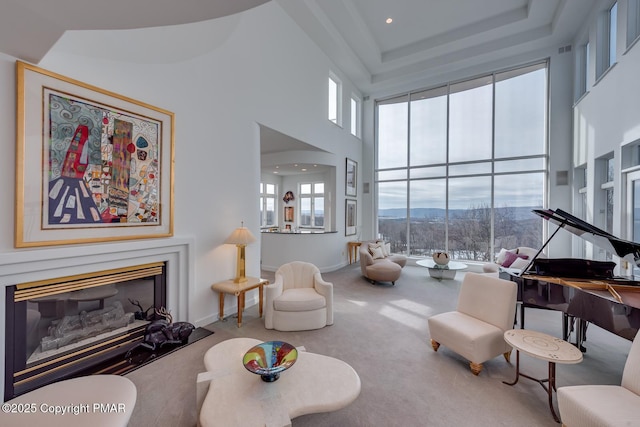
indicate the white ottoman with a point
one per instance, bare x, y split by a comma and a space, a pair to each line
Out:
95, 400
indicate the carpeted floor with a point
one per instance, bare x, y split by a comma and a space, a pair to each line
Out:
381, 331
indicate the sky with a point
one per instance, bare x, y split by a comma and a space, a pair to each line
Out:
520, 129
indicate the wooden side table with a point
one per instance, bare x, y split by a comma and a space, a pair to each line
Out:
239, 290
545, 347
353, 251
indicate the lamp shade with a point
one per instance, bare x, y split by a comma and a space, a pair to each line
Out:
240, 236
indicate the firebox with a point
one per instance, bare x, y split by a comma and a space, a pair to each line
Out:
61, 328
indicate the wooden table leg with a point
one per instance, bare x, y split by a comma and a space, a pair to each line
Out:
221, 306
260, 293
550, 387
240, 307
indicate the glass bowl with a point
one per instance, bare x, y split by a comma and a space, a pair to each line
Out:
269, 359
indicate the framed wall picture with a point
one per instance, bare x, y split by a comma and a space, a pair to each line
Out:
288, 213
91, 165
350, 217
351, 178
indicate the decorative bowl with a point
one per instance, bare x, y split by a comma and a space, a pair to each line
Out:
269, 359
441, 258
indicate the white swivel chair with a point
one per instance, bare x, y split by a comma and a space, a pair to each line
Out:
299, 299
605, 405
475, 330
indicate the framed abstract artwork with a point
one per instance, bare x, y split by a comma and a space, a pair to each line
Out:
91, 165
351, 178
288, 214
350, 217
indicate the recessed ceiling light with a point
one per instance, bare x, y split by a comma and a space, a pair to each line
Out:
389, 20
303, 170
275, 171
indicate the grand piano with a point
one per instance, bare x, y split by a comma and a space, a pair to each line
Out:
584, 291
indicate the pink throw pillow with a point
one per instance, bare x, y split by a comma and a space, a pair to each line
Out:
510, 257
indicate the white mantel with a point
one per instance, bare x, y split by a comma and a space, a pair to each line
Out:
39, 264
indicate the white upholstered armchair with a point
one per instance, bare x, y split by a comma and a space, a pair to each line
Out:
299, 299
605, 405
475, 330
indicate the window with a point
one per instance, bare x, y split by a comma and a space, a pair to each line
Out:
355, 116
393, 133
268, 205
312, 205
461, 166
613, 33
581, 206
606, 49
633, 21
335, 97
582, 71
605, 198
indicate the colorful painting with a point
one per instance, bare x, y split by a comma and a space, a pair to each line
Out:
92, 165
106, 172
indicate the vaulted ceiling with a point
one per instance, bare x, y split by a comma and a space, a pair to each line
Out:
29, 28
430, 39
427, 39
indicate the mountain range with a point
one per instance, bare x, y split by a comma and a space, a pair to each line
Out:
520, 213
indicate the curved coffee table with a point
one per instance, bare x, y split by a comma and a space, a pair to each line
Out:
237, 397
446, 272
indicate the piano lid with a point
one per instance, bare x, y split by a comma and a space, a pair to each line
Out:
623, 248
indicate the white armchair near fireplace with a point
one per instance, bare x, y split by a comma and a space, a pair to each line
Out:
115, 396
299, 299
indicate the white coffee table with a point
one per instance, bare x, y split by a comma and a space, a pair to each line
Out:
446, 272
237, 397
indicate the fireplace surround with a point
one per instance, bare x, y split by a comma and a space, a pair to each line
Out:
60, 327
42, 264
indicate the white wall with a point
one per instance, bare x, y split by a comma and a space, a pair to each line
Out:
607, 118
258, 67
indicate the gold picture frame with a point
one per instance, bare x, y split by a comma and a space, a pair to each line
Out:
91, 165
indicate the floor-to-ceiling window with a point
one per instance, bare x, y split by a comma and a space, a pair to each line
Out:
461, 166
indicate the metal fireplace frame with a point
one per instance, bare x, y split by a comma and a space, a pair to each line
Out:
20, 378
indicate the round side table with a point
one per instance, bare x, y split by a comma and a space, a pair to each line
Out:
545, 347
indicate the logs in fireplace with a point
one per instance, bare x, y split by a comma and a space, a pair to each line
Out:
64, 327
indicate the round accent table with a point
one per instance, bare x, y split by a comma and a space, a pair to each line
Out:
545, 347
447, 271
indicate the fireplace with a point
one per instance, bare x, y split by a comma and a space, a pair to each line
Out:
68, 326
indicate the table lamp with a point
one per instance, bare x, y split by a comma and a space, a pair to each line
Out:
240, 237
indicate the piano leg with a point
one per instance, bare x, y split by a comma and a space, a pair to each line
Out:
581, 334
565, 326
570, 324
